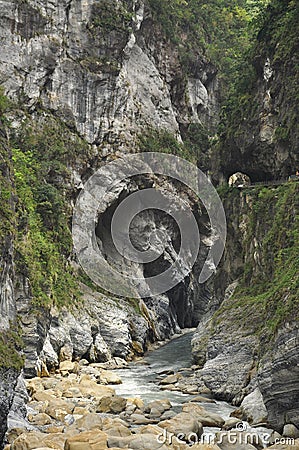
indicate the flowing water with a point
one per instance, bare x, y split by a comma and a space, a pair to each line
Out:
140, 378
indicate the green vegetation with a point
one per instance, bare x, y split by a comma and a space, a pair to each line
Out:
277, 38
109, 27
34, 205
10, 345
44, 240
220, 29
267, 296
111, 16
193, 149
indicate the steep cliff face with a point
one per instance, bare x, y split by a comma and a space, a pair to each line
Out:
85, 80
103, 72
261, 130
91, 81
252, 340
106, 69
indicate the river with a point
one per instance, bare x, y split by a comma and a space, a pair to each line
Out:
140, 378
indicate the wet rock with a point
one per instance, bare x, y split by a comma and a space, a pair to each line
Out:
171, 379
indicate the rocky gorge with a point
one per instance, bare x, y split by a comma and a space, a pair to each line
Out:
84, 84
77, 407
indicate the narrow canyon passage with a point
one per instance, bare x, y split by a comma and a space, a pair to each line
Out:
141, 378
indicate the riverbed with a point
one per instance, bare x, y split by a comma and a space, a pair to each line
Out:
139, 379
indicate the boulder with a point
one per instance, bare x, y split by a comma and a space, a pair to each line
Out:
206, 418
159, 405
137, 442
34, 385
36, 439
66, 367
253, 408
90, 388
40, 419
167, 415
99, 351
183, 423
88, 440
140, 419
171, 379
117, 429
289, 430
285, 446
278, 378
109, 377
48, 355
136, 401
230, 424
42, 396
58, 409
238, 440
72, 392
111, 404
88, 422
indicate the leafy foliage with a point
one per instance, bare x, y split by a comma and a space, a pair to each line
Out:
10, 345
220, 28
40, 164
268, 290
276, 35
155, 140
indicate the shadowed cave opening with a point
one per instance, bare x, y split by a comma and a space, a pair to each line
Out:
141, 227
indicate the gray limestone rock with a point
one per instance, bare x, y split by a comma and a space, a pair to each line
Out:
278, 377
